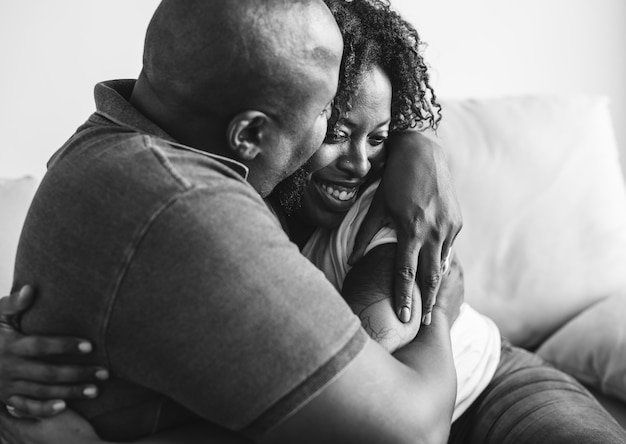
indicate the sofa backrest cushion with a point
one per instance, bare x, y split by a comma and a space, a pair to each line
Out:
544, 207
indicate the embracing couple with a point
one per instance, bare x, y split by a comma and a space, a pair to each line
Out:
227, 251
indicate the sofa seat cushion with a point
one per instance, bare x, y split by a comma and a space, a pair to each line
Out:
592, 346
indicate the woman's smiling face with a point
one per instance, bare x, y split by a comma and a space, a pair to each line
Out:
340, 166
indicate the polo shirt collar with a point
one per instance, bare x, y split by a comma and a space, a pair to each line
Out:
112, 103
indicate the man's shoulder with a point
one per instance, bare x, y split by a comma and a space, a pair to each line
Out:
101, 154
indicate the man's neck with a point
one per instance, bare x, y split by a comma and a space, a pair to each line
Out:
207, 136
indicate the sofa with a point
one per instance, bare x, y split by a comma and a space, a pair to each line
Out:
544, 239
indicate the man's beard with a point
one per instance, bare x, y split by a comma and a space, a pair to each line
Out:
289, 192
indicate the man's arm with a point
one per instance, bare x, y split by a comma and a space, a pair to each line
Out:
243, 340
182, 339
383, 398
425, 370
368, 290
70, 428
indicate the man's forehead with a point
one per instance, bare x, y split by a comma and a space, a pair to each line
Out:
318, 32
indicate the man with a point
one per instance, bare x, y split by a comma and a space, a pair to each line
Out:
145, 238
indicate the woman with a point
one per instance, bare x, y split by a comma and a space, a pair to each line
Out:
505, 394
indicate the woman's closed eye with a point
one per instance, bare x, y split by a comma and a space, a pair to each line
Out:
336, 136
377, 140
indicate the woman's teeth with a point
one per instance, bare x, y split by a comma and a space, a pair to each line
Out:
339, 195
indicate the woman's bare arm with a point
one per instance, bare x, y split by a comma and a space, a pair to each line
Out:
368, 290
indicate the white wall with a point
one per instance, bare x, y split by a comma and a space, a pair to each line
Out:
481, 48
52, 53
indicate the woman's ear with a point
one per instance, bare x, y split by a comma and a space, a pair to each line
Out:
246, 133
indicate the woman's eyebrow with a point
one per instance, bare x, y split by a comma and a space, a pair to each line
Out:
385, 123
347, 122
350, 124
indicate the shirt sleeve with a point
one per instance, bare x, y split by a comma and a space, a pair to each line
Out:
217, 310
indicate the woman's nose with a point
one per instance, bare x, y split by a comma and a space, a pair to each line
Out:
355, 161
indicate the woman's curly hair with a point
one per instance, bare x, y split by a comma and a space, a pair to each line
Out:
375, 35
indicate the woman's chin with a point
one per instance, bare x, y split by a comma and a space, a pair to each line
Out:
318, 213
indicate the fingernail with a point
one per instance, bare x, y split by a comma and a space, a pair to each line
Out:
405, 314
85, 347
90, 391
427, 319
58, 406
102, 374
23, 291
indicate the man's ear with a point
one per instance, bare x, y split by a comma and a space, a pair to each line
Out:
246, 133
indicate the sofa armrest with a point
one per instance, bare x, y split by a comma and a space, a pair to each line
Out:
15, 198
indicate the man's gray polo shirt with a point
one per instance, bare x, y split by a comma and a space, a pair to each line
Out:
171, 263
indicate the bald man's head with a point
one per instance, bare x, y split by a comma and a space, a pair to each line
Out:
225, 55
205, 62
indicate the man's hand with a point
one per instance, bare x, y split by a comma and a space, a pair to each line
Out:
416, 195
66, 428
28, 385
